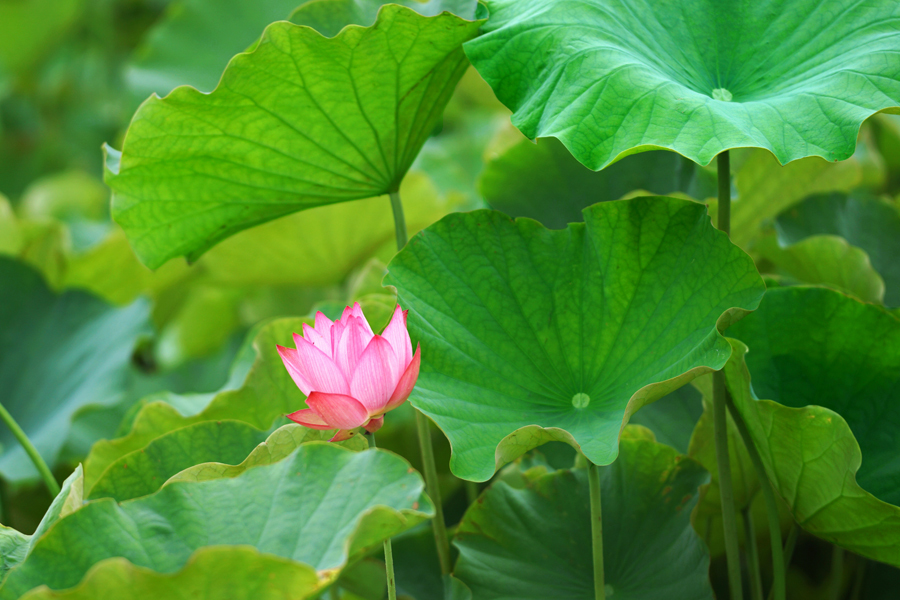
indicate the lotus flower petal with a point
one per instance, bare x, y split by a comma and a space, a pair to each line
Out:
319, 370
374, 424
313, 336
292, 363
308, 418
341, 435
398, 336
373, 381
323, 326
350, 347
407, 382
338, 410
356, 311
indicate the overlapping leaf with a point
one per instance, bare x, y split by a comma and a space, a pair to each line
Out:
321, 506
530, 334
544, 182
302, 121
510, 549
612, 77
58, 353
828, 369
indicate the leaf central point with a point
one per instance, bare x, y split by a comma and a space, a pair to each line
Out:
580, 400
722, 94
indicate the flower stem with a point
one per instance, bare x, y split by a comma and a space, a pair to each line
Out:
32, 452
388, 550
423, 428
720, 418
596, 531
779, 579
837, 572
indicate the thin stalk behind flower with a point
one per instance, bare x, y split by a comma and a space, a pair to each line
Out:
423, 427
388, 549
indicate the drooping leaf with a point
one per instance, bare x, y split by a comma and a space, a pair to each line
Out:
530, 335
544, 182
212, 573
15, 546
828, 370
143, 471
826, 260
302, 121
321, 506
58, 353
865, 221
511, 549
672, 418
697, 77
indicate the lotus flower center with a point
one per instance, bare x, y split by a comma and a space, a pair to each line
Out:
722, 94
580, 400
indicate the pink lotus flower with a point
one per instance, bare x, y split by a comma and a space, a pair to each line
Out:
351, 376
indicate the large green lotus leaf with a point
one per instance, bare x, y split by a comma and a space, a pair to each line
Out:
826, 260
828, 367
322, 506
143, 471
324, 245
510, 549
865, 221
614, 77
531, 335
544, 182
328, 17
302, 121
58, 353
212, 573
281, 443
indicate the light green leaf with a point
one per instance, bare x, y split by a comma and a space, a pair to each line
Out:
826, 260
530, 335
278, 135
58, 353
510, 549
143, 471
328, 17
211, 573
281, 443
828, 368
610, 78
765, 188
544, 182
28, 28
870, 223
322, 506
